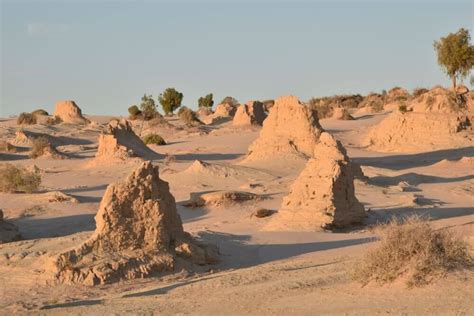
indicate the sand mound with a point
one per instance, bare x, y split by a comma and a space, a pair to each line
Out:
372, 103
69, 112
119, 142
290, 128
8, 231
340, 113
138, 233
420, 131
251, 113
323, 194
47, 152
439, 100
220, 198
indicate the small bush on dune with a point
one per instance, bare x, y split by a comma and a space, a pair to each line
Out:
7, 147
26, 119
188, 116
412, 249
18, 179
39, 112
39, 147
154, 139
134, 112
230, 100
206, 101
419, 91
54, 120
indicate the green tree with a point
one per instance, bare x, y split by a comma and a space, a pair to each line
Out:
170, 100
455, 54
206, 102
148, 107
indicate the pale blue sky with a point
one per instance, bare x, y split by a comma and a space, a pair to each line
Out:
106, 54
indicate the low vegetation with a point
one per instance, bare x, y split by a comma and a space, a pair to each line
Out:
26, 119
39, 147
411, 249
18, 179
40, 112
154, 139
134, 112
419, 91
230, 100
188, 116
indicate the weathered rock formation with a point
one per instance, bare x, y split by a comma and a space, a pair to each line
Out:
69, 112
119, 143
290, 128
224, 112
340, 113
8, 231
138, 233
251, 113
323, 194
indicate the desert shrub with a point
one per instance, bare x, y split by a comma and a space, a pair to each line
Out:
188, 116
206, 102
7, 147
402, 108
411, 249
230, 100
419, 91
18, 179
170, 100
154, 139
134, 112
148, 107
26, 119
40, 112
39, 147
429, 100
53, 120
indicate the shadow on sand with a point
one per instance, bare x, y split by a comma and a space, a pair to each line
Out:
400, 162
415, 179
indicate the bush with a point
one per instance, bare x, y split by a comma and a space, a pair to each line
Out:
154, 139
188, 116
411, 248
148, 107
39, 147
134, 112
53, 120
419, 91
402, 108
170, 100
230, 100
18, 179
206, 102
39, 112
7, 147
26, 119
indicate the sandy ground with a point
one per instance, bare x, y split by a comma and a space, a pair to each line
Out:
260, 272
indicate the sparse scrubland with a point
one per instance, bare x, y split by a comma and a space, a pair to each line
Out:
18, 179
410, 249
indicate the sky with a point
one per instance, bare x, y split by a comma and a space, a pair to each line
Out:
106, 54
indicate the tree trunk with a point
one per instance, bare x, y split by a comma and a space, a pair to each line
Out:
454, 83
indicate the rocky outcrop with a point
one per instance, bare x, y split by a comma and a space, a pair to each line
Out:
8, 231
323, 194
138, 233
251, 113
69, 112
119, 142
291, 128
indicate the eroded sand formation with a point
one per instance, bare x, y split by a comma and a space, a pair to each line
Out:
224, 112
138, 233
438, 119
291, 128
250, 113
323, 194
69, 112
119, 142
8, 231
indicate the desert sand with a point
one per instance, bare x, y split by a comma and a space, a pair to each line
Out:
124, 228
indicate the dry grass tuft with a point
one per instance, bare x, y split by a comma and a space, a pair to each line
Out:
18, 179
41, 146
26, 119
410, 248
188, 116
